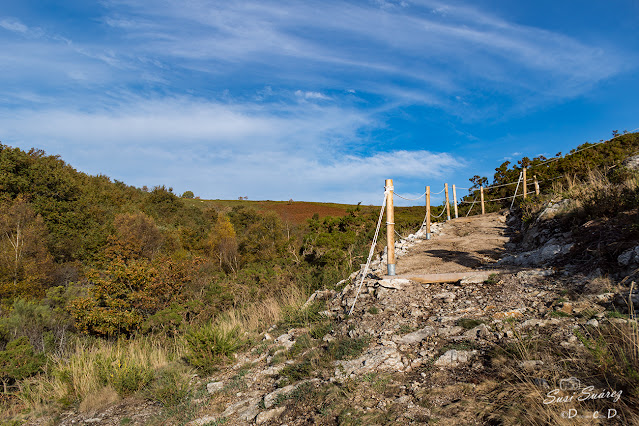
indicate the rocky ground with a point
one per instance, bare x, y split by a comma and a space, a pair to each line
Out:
469, 352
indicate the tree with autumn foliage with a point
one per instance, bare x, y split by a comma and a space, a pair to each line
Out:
223, 245
26, 267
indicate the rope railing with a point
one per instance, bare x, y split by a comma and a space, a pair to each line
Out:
370, 253
388, 202
409, 199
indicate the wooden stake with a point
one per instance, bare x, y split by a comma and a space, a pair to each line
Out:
536, 185
481, 195
447, 203
455, 201
525, 184
428, 212
390, 227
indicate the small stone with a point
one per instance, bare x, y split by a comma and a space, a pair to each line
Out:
266, 416
508, 314
533, 322
203, 421
479, 332
286, 340
566, 307
454, 357
214, 387
530, 364
593, 322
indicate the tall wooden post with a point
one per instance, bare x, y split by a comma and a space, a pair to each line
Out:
447, 202
481, 196
525, 184
390, 227
536, 185
455, 201
428, 212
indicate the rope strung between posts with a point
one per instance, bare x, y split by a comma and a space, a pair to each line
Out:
516, 189
441, 214
437, 193
370, 253
409, 199
400, 236
471, 207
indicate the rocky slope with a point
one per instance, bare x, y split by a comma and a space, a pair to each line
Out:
474, 351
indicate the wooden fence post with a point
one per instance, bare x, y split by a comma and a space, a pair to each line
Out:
428, 212
536, 185
455, 201
447, 202
525, 184
390, 227
481, 195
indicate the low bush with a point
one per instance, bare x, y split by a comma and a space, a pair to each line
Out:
210, 346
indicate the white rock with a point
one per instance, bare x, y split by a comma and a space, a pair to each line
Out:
266, 416
214, 387
417, 336
203, 421
287, 340
454, 357
394, 283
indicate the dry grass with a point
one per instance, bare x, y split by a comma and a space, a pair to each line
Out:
258, 316
608, 361
96, 374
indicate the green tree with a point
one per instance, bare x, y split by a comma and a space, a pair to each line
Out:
18, 361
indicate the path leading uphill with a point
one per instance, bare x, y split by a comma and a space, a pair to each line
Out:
460, 245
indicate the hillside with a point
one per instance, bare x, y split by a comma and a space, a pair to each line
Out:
133, 306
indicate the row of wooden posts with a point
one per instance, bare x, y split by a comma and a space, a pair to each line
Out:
390, 213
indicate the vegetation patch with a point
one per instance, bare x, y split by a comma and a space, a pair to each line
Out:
210, 346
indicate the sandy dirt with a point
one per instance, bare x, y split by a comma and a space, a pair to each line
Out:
463, 244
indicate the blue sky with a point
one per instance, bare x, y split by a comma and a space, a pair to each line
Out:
313, 100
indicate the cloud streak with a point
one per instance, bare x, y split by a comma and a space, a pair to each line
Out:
306, 98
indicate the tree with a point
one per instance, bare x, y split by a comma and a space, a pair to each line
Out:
478, 181
188, 194
135, 236
223, 243
26, 266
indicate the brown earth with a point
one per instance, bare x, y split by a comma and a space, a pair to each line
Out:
462, 245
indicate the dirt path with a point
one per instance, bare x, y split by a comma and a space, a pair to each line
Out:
463, 244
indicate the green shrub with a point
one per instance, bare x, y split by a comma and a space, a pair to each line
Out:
209, 346
301, 317
468, 323
302, 343
320, 330
125, 375
347, 348
18, 362
170, 386
298, 371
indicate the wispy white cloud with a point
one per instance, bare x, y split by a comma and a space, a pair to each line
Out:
311, 95
219, 150
216, 91
12, 24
